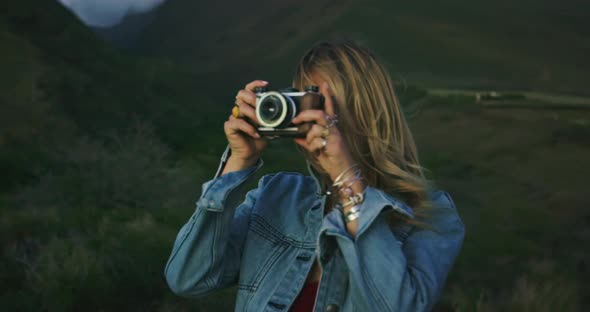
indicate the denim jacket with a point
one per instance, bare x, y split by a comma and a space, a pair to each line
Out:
266, 240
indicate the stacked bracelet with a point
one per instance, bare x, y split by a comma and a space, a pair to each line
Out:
344, 183
354, 200
352, 214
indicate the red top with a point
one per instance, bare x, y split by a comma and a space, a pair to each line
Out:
306, 298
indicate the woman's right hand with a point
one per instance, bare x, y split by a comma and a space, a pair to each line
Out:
244, 141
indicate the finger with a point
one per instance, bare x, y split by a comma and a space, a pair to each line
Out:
303, 143
247, 97
316, 131
328, 103
317, 144
236, 125
247, 110
312, 115
256, 83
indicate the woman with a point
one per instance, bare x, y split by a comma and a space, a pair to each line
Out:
363, 232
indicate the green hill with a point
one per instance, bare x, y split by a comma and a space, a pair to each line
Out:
59, 81
538, 45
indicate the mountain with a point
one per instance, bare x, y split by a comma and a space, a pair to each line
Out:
60, 81
539, 45
124, 34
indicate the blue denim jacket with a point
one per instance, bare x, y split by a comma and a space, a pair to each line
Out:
267, 243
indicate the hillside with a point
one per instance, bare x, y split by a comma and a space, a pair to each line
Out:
536, 45
59, 82
124, 34
89, 141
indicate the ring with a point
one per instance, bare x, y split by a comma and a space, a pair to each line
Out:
324, 143
235, 111
331, 120
326, 133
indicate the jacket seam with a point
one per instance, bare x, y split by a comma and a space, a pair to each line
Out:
281, 251
199, 212
257, 278
274, 235
374, 290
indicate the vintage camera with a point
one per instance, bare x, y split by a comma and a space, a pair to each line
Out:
275, 110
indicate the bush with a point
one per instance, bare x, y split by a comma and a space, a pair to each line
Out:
132, 170
541, 289
96, 230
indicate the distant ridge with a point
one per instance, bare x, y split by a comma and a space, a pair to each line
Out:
530, 45
125, 34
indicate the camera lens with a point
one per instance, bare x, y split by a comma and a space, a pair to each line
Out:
271, 109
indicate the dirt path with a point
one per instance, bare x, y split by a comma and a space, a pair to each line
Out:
565, 101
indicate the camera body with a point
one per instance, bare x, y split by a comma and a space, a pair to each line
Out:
275, 110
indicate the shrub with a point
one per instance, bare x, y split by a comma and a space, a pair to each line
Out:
95, 231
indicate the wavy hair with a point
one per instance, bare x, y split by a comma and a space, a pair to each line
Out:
371, 120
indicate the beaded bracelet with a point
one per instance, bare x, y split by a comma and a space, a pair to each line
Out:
354, 200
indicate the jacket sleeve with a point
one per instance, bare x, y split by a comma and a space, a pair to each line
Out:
206, 254
402, 270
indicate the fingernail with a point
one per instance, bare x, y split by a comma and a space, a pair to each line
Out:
326, 85
256, 135
264, 81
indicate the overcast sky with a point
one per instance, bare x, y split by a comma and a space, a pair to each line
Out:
107, 12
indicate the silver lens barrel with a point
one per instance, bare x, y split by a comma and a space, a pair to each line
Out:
273, 108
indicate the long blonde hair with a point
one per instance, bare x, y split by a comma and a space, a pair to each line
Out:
370, 120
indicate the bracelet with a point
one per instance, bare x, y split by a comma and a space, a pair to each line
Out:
347, 189
354, 200
352, 214
337, 181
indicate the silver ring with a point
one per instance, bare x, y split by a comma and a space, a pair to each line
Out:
331, 120
324, 143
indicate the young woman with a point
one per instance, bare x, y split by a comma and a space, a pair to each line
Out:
363, 232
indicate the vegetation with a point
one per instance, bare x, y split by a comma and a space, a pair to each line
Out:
537, 45
102, 152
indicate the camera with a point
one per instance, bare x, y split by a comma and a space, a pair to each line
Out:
275, 110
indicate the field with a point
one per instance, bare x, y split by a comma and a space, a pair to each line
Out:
516, 175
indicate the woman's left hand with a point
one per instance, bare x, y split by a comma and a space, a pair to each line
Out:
324, 140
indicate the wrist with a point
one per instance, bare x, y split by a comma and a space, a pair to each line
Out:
235, 163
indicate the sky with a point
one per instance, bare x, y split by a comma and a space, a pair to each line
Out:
104, 13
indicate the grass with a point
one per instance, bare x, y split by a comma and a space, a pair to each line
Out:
107, 251
517, 179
